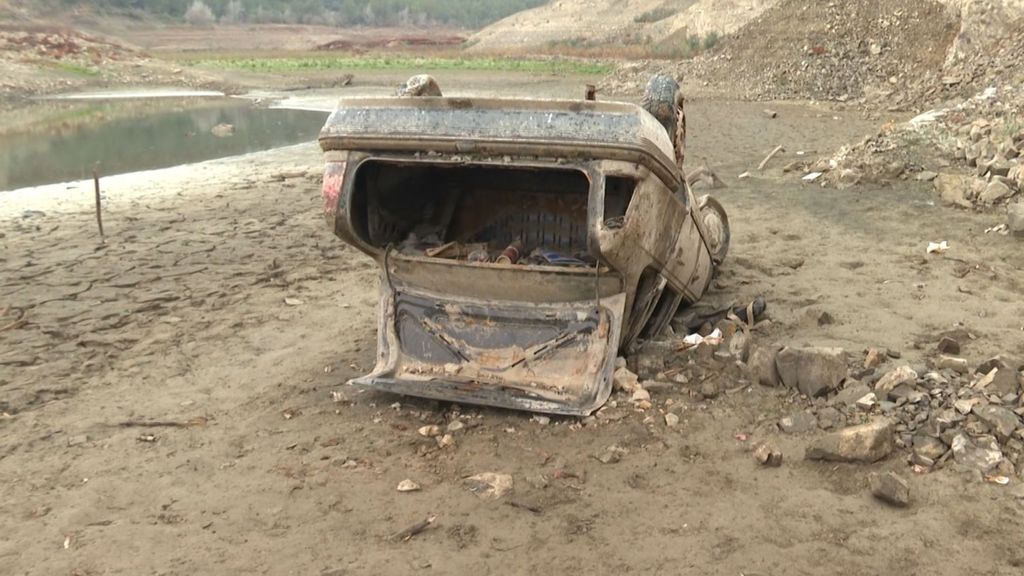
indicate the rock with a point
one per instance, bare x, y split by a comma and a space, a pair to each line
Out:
640, 395
455, 426
798, 423
890, 487
953, 189
766, 455
929, 447
1005, 381
965, 405
874, 358
999, 166
624, 380
739, 346
223, 130
407, 485
869, 442
956, 364
994, 192
850, 394
1015, 218
829, 418
762, 367
671, 420
926, 176
1001, 420
445, 441
896, 377
812, 371
981, 454
709, 388
867, 402
429, 431
77, 440
948, 346
489, 485
612, 455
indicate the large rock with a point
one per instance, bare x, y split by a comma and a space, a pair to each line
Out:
812, 371
1001, 420
869, 442
929, 447
761, 364
890, 487
896, 377
994, 192
981, 454
953, 189
798, 423
1015, 218
850, 394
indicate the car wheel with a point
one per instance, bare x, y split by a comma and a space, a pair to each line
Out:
716, 228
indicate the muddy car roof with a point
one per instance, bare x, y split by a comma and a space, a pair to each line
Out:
496, 126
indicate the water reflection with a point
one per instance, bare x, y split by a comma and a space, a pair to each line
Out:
74, 141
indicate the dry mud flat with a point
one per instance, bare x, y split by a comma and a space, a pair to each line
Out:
222, 310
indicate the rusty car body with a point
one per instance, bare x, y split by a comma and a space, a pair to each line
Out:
521, 243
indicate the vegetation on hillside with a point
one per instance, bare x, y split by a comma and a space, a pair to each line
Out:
469, 13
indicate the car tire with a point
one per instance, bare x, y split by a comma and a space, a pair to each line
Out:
715, 223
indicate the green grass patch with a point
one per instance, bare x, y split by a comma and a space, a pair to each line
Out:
75, 69
344, 63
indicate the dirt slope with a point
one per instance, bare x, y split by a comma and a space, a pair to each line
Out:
616, 23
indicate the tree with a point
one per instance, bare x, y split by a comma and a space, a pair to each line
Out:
234, 12
199, 14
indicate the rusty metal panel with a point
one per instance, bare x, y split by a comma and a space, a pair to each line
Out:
553, 357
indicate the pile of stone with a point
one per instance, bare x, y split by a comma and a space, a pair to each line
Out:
942, 412
973, 153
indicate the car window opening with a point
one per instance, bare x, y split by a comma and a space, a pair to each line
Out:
474, 213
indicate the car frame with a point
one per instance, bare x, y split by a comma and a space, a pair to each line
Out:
597, 178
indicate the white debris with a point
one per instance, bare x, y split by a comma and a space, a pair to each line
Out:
937, 247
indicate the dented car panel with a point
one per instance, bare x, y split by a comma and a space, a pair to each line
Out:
521, 243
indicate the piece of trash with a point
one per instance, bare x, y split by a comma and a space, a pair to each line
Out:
408, 485
67, 542
489, 485
937, 247
293, 302
713, 339
408, 533
742, 437
1000, 229
555, 258
510, 255
811, 177
146, 438
744, 176
1001, 480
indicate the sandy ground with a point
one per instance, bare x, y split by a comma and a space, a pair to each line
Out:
274, 466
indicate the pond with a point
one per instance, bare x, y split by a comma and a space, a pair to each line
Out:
69, 139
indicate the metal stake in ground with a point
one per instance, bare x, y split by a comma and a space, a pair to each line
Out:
99, 212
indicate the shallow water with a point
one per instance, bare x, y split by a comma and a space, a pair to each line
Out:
120, 137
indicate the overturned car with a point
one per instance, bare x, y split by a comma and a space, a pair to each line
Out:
522, 243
